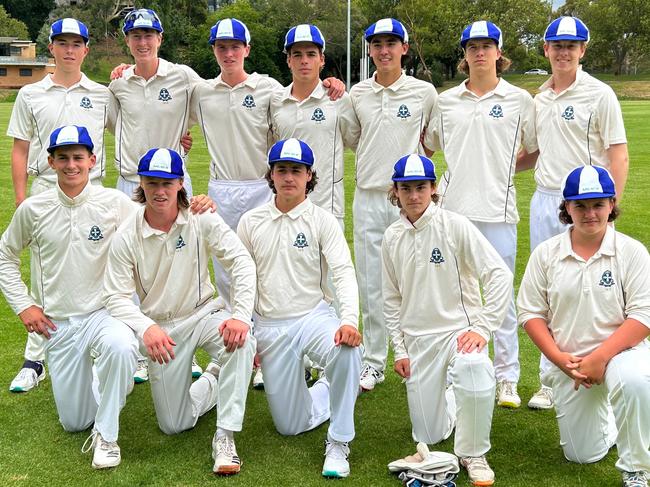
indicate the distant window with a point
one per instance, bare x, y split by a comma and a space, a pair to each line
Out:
25, 72
3, 71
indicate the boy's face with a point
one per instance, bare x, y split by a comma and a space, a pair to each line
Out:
161, 194
68, 51
290, 179
143, 44
305, 60
386, 51
564, 56
230, 55
72, 164
481, 55
414, 197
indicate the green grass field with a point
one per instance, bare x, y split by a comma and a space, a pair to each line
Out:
34, 450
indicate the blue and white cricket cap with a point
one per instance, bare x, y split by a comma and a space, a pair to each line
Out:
142, 18
387, 26
304, 33
161, 163
414, 167
567, 29
69, 26
588, 182
291, 150
482, 29
229, 30
70, 135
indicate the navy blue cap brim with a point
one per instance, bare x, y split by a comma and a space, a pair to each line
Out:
52, 148
213, 42
464, 43
589, 196
565, 37
159, 174
414, 178
54, 36
289, 159
392, 34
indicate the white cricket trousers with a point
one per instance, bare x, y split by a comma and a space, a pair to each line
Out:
295, 408
586, 435
233, 199
178, 402
75, 346
503, 237
372, 214
544, 224
433, 412
35, 346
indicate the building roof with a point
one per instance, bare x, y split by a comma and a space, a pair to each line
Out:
18, 61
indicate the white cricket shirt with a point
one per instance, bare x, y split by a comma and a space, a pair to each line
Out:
69, 241
236, 125
42, 107
293, 252
392, 120
574, 127
582, 302
169, 270
151, 113
481, 136
328, 127
430, 278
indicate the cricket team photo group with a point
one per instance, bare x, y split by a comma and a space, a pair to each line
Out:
386, 277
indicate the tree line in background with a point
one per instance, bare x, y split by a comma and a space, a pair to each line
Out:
620, 30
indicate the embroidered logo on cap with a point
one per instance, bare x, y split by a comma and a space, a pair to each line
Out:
568, 113
318, 115
249, 101
86, 103
606, 280
496, 112
164, 95
436, 256
403, 112
301, 241
95, 234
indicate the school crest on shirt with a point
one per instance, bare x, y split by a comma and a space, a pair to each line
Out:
164, 95
180, 243
249, 102
436, 256
86, 103
568, 113
606, 279
318, 115
403, 112
95, 234
496, 112
301, 241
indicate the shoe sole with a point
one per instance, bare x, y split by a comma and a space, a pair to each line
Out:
483, 483
101, 467
331, 474
140, 380
227, 470
541, 408
196, 375
259, 387
509, 405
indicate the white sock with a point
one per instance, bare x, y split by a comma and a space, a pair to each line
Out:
224, 432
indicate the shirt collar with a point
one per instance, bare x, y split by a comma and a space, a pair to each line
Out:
294, 213
318, 93
77, 200
607, 246
163, 69
423, 221
394, 87
548, 84
250, 81
501, 89
148, 231
83, 82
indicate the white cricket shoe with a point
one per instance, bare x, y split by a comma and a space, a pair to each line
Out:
224, 453
478, 470
26, 380
336, 459
258, 379
106, 454
196, 368
635, 479
141, 372
542, 399
507, 396
370, 377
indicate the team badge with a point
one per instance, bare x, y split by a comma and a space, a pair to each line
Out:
436, 256
403, 112
606, 280
301, 241
164, 95
318, 115
180, 243
568, 113
496, 112
95, 234
86, 103
249, 102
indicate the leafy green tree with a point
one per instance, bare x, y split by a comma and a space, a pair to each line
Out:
32, 12
10, 27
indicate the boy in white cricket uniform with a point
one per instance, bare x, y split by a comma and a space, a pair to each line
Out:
432, 263
68, 229
303, 110
292, 242
578, 121
480, 127
585, 302
162, 253
393, 109
66, 96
